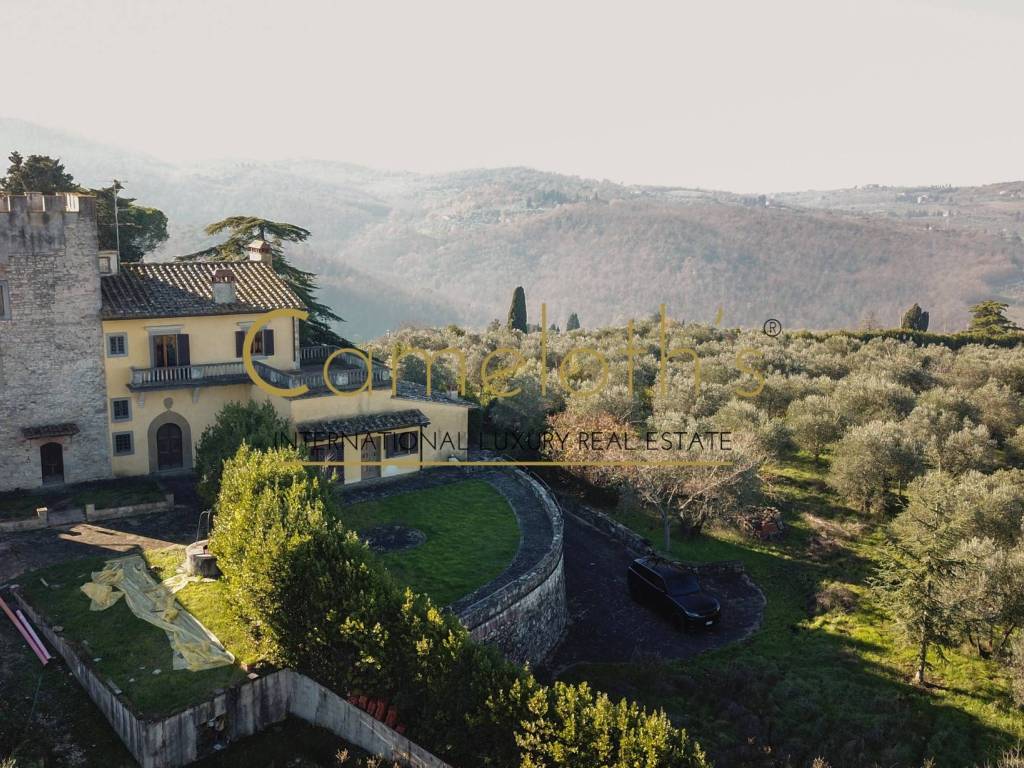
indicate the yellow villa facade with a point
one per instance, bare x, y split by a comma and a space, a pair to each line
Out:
172, 352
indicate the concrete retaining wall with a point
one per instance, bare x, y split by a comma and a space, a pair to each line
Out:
92, 514
233, 714
315, 704
526, 618
88, 514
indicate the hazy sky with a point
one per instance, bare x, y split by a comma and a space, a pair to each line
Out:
747, 96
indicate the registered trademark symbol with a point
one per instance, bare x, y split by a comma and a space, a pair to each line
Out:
772, 327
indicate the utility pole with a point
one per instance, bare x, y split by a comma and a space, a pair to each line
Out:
117, 229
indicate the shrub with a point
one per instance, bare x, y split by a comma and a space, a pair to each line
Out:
267, 503
256, 424
572, 726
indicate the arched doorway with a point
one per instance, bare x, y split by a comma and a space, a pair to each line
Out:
51, 460
169, 453
169, 440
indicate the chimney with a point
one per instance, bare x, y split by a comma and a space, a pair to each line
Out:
109, 263
259, 250
224, 287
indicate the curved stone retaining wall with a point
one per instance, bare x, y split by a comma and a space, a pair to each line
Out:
526, 617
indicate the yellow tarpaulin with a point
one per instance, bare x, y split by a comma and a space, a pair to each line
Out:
193, 646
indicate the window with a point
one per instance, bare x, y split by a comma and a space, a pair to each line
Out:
262, 343
5, 301
104, 265
117, 344
170, 350
121, 409
123, 444
401, 443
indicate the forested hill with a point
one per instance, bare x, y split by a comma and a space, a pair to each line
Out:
394, 247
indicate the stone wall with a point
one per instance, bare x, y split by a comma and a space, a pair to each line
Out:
526, 618
641, 547
51, 345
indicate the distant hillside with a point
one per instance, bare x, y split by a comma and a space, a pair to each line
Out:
395, 248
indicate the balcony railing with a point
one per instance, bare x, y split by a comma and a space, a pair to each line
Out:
187, 375
310, 356
343, 376
315, 354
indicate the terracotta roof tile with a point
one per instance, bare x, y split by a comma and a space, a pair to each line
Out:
365, 423
49, 430
181, 289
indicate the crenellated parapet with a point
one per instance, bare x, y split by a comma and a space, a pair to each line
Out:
40, 225
62, 202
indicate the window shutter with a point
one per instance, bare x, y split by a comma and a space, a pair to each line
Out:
268, 342
183, 355
239, 340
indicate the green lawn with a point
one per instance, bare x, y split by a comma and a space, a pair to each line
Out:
835, 684
103, 493
127, 649
472, 536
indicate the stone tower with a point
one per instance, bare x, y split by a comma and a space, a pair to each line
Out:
53, 405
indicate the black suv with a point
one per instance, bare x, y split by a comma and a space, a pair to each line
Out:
674, 591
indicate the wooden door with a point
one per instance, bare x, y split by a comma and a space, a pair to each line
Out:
370, 452
169, 451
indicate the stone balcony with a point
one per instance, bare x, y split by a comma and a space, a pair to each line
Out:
347, 372
343, 377
173, 377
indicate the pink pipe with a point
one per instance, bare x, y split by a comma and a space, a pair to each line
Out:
24, 634
32, 632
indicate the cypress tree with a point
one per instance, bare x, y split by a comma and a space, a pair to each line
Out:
517, 311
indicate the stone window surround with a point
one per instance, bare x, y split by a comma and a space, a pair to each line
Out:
5, 300
113, 412
131, 440
122, 335
245, 325
160, 330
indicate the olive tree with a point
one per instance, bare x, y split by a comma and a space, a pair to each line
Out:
873, 459
864, 397
814, 423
